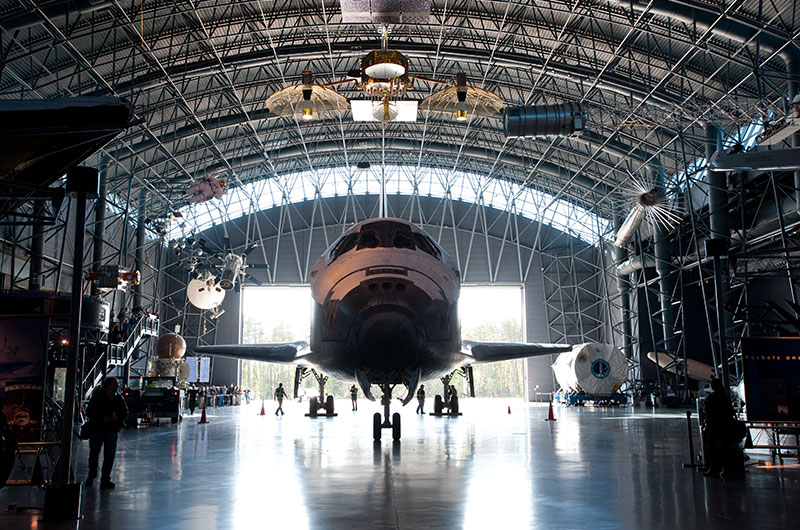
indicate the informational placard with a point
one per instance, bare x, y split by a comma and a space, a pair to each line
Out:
205, 370
23, 350
192, 362
772, 378
23, 358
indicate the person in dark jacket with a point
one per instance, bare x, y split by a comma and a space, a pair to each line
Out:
192, 400
354, 397
106, 413
717, 419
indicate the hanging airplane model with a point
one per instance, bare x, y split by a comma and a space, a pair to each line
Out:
385, 313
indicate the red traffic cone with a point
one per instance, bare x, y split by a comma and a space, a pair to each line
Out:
203, 417
262, 408
509, 409
550, 416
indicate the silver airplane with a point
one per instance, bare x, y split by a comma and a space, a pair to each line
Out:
385, 313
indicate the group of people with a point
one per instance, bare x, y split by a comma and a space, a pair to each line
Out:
198, 397
123, 324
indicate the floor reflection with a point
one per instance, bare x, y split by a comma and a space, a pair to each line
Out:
601, 468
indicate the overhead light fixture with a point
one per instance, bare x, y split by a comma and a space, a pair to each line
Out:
460, 100
307, 101
461, 111
461, 97
306, 108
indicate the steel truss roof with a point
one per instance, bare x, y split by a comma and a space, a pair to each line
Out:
198, 73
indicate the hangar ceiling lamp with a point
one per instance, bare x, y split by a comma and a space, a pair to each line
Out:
307, 101
460, 100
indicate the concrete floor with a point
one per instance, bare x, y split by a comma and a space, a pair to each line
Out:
604, 468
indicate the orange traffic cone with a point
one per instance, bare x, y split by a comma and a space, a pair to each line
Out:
262, 408
203, 417
550, 416
509, 409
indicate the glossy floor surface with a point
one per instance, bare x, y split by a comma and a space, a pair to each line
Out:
592, 468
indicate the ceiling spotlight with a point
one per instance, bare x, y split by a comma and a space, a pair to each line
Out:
461, 111
306, 109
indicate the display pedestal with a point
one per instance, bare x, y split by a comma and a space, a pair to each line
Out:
62, 502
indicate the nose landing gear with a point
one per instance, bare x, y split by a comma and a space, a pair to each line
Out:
394, 424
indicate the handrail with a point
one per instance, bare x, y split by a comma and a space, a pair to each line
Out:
146, 326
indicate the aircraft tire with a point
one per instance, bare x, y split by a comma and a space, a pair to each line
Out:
396, 426
174, 420
313, 406
376, 426
454, 405
437, 404
329, 404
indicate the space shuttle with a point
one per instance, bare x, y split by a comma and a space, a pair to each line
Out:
385, 314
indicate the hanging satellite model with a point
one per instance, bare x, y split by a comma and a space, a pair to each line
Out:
646, 202
231, 270
204, 292
383, 76
206, 189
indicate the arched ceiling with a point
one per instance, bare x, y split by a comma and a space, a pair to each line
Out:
198, 72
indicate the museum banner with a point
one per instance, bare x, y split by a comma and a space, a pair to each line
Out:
772, 378
23, 360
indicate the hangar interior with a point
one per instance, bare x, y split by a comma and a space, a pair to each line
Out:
629, 165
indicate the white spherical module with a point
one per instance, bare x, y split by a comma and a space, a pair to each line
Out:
204, 294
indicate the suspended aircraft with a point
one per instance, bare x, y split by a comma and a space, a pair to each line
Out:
385, 313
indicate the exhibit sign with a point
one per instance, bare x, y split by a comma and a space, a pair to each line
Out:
772, 378
205, 369
192, 362
23, 360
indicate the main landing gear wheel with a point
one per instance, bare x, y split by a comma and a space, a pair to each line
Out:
376, 426
329, 405
313, 406
437, 404
395, 426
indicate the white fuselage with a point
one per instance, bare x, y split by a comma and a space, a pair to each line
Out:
385, 306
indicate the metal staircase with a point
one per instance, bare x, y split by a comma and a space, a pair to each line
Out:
117, 354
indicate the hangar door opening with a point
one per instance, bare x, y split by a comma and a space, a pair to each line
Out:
493, 314
282, 314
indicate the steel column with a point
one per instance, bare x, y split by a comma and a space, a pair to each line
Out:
78, 180
717, 213
141, 240
623, 286
666, 284
99, 223
37, 247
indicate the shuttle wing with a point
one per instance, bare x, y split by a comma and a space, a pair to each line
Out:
275, 352
487, 352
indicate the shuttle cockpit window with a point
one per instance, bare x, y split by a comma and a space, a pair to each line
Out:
386, 234
403, 239
426, 245
368, 239
347, 244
